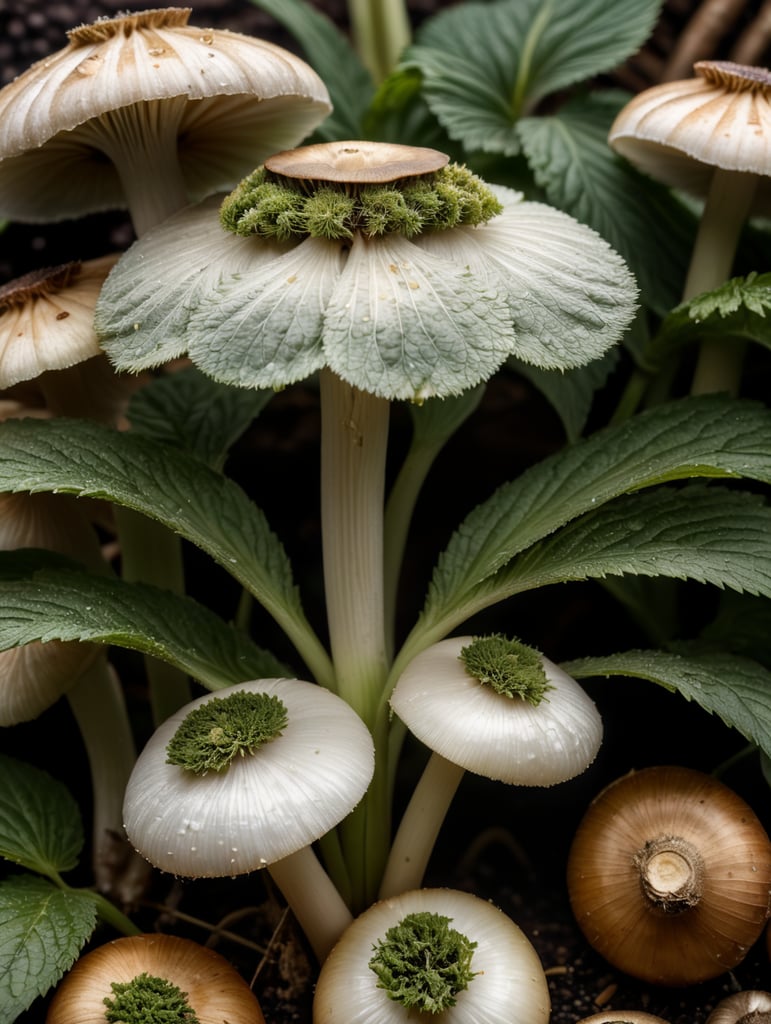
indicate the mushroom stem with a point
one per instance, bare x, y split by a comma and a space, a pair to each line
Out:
141, 141
381, 29
319, 908
719, 364
97, 703
420, 825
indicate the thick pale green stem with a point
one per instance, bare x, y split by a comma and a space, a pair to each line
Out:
354, 440
99, 708
420, 825
719, 363
319, 908
381, 30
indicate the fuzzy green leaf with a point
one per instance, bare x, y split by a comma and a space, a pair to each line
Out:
713, 535
190, 411
708, 436
42, 931
206, 508
736, 689
572, 161
331, 55
40, 825
740, 309
66, 604
487, 64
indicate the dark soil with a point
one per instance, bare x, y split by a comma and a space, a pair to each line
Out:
503, 844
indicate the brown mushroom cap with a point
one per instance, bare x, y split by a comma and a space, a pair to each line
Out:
230, 99
358, 162
679, 132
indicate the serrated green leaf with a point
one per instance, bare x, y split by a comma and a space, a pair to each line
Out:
40, 824
712, 535
572, 161
65, 604
740, 309
190, 411
736, 689
331, 55
708, 436
570, 394
203, 506
42, 931
399, 113
486, 64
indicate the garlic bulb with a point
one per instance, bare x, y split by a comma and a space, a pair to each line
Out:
669, 875
743, 1008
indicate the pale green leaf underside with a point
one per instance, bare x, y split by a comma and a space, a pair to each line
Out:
40, 825
572, 161
143, 313
403, 324
570, 295
330, 53
708, 436
263, 329
42, 931
736, 689
70, 605
203, 506
486, 64
190, 411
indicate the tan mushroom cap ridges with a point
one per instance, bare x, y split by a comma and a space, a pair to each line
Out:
356, 162
679, 132
232, 100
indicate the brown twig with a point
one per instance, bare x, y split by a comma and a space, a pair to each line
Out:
701, 36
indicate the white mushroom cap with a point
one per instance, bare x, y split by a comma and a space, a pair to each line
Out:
223, 100
35, 675
46, 319
500, 737
679, 132
265, 806
510, 986
750, 1005
622, 1017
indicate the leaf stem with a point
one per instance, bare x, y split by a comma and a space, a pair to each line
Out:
381, 30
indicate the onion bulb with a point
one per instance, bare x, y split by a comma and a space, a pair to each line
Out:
669, 876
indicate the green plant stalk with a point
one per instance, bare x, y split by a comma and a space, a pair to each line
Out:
719, 364
415, 838
99, 708
354, 442
110, 914
151, 553
381, 30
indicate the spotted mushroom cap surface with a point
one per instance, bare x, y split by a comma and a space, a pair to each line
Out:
679, 132
230, 99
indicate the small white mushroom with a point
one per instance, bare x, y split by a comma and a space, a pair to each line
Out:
461, 961
262, 806
540, 731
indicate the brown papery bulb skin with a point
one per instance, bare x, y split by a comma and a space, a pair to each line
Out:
669, 876
214, 989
